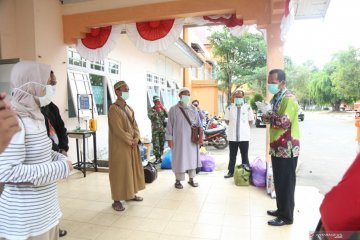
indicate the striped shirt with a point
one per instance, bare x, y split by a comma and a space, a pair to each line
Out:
29, 168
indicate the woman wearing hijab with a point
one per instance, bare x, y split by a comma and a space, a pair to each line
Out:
29, 169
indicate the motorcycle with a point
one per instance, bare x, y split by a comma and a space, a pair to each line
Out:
216, 137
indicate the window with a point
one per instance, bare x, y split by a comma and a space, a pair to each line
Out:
149, 78
75, 59
97, 78
98, 65
79, 83
193, 73
201, 73
113, 67
101, 94
156, 79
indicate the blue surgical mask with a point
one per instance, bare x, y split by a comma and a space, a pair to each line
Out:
125, 95
185, 99
273, 88
239, 101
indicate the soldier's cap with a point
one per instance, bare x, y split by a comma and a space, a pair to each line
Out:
184, 89
119, 84
156, 98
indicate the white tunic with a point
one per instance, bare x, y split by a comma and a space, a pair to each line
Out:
30, 209
238, 127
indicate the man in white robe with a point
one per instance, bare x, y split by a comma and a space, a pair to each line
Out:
185, 153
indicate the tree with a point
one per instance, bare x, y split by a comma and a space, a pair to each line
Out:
346, 75
237, 58
256, 98
297, 80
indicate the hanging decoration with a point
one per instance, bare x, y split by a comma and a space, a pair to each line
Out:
234, 24
98, 43
154, 36
288, 18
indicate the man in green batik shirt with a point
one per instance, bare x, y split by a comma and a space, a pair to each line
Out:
282, 115
157, 114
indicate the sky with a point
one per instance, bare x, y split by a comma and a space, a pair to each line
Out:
318, 39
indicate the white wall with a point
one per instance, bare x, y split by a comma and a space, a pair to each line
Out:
41, 26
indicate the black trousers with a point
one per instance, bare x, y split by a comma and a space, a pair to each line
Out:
285, 181
244, 149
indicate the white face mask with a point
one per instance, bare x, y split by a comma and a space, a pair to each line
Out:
46, 100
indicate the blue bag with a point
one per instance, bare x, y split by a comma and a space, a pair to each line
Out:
166, 162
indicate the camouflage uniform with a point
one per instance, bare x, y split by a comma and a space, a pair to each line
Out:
158, 130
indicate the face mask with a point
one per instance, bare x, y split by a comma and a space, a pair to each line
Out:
185, 99
239, 101
125, 95
273, 88
46, 100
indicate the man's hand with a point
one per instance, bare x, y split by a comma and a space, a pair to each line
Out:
263, 107
8, 123
171, 143
135, 142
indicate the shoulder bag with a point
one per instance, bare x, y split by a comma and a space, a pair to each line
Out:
196, 131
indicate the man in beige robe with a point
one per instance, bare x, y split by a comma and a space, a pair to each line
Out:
126, 173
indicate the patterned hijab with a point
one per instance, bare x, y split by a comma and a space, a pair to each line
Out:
28, 79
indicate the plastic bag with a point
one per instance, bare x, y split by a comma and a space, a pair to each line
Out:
207, 162
167, 160
258, 169
242, 175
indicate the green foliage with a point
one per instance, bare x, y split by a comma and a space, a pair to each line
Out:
346, 76
297, 80
237, 58
256, 98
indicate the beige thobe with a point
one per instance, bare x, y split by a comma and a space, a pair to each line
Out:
126, 172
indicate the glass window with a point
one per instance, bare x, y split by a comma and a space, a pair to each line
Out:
75, 59
97, 85
79, 83
98, 65
149, 78
113, 67
156, 79
201, 73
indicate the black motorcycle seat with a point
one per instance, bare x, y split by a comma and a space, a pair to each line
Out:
214, 130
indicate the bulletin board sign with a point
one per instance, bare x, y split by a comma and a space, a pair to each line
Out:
84, 102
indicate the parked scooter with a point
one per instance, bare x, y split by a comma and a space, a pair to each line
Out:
216, 137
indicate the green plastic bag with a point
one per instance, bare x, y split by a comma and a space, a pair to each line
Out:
242, 175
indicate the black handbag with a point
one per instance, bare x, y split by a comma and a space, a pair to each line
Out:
150, 173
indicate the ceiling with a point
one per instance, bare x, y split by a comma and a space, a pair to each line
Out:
311, 9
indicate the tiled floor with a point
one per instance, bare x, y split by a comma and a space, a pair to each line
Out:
217, 209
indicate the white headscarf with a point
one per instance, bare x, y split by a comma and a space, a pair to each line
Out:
184, 89
24, 76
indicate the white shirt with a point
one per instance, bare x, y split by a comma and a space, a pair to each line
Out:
238, 127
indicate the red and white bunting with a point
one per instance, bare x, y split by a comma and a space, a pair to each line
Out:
154, 36
288, 18
98, 43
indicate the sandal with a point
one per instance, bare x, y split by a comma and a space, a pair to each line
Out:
62, 233
137, 199
178, 185
193, 184
117, 206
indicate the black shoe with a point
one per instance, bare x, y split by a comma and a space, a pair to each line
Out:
157, 161
273, 213
278, 222
62, 233
229, 175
